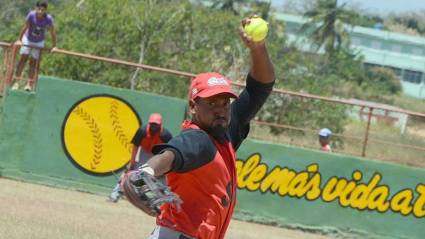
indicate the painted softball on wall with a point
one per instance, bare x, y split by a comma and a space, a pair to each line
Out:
97, 133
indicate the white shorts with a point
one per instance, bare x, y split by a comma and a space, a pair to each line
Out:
35, 53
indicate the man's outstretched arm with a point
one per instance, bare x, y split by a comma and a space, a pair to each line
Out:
161, 163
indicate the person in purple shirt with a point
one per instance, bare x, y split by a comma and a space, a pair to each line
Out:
32, 34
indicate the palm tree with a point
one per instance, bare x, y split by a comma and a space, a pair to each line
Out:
262, 8
228, 5
326, 25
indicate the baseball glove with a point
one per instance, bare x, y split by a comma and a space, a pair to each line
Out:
146, 192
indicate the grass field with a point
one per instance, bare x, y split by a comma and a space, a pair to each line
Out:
40, 212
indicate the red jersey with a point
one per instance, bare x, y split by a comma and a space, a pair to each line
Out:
144, 138
203, 172
206, 212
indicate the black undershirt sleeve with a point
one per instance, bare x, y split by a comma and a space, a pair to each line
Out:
245, 107
166, 135
192, 149
138, 136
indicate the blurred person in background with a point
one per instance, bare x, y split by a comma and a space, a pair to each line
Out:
324, 139
144, 139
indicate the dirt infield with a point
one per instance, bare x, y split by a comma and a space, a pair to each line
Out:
37, 211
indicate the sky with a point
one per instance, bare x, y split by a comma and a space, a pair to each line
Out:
379, 6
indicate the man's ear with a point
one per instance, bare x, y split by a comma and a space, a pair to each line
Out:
192, 106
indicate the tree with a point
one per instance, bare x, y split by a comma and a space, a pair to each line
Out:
412, 23
94, 27
173, 36
381, 82
227, 5
296, 7
154, 19
326, 25
151, 32
262, 8
12, 18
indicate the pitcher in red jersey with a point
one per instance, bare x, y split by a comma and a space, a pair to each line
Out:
199, 163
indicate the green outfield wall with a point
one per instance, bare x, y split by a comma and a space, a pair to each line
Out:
334, 193
77, 135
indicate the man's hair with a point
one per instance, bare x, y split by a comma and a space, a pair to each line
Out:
41, 4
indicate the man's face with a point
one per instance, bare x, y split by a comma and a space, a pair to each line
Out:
40, 11
212, 113
154, 128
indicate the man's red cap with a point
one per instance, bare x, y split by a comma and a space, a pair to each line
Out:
209, 84
155, 118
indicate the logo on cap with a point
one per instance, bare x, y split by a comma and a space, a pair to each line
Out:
213, 81
194, 91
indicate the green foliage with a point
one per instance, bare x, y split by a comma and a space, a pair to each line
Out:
138, 33
406, 102
326, 25
12, 18
227, 5
383, 81
175, 36
366, 20
379, 84
412, 20
302, 113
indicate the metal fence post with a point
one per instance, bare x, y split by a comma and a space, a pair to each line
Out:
4, 69
11, 66
366, 136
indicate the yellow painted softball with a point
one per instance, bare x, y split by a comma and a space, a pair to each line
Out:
257, 29
97, 133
